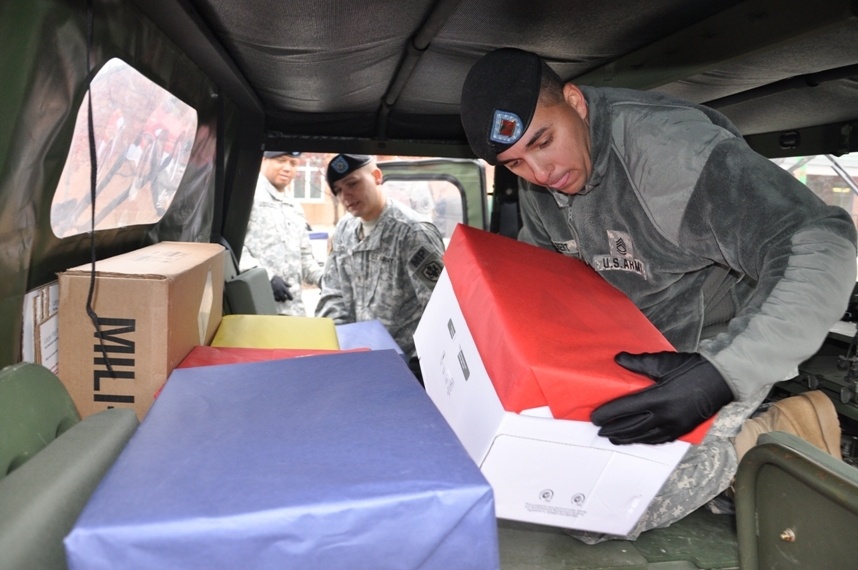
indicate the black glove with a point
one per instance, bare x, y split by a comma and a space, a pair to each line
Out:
688, 391
281, 289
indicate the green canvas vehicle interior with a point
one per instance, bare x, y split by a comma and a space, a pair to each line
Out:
50, 463
383, 77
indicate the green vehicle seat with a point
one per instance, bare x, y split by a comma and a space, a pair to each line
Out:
50, 463
796, 507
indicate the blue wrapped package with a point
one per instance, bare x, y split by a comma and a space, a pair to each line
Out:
333, 462
366, 334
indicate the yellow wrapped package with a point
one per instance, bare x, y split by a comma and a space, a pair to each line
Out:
276, 331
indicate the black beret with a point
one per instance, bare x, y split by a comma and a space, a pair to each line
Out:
276, 153
499, 97
343, 164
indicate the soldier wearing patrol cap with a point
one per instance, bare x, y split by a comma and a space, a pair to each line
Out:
277, 236
385, 258
737, 263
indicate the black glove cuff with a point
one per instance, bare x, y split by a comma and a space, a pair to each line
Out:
711, 391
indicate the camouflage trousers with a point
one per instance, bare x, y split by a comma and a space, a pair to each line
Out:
705, 471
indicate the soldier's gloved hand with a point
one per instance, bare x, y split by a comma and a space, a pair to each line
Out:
688, 391
281, 289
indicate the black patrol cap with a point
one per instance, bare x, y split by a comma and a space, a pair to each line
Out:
276, 153
499, 97
344, 164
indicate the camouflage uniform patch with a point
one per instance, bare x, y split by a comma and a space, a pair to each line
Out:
432, 271
426, 266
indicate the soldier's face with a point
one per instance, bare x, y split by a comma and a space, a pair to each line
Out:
280, 170
554, 151
360, 192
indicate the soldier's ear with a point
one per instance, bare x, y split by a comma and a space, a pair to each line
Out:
575, 99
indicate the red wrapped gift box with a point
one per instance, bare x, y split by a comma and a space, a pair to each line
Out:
547, 326
204, 355
214, 355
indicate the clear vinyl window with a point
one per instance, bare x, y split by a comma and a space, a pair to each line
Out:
309, 182
143, 140
832, 178
438, 199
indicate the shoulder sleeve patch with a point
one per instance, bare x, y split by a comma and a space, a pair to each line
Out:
432, 271
426, 266
418, 258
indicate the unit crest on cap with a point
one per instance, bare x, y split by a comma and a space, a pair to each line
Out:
340, 165
506, 127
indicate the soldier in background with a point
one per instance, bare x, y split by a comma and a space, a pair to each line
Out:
385, 257
277, 234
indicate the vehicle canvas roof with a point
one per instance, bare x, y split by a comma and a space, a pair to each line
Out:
383, 75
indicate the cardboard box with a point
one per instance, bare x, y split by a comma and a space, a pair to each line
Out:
542, 470
516, 351
333, 462
39, 341
153, 306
